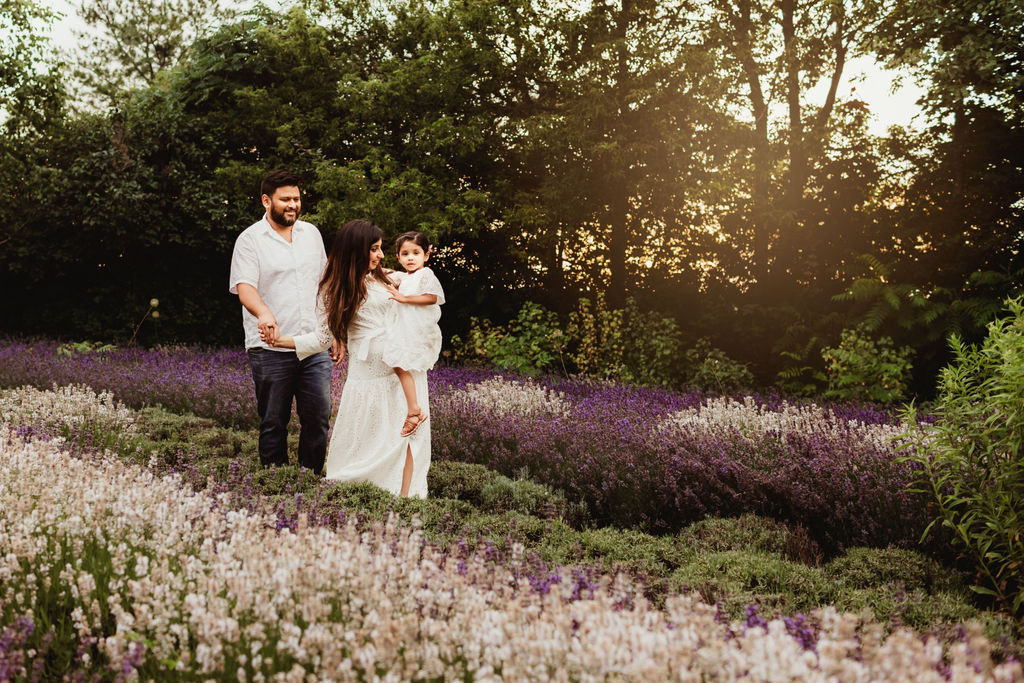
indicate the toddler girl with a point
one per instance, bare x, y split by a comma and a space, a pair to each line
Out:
413, 340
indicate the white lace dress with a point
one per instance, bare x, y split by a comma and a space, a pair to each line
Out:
365, 442
413, 340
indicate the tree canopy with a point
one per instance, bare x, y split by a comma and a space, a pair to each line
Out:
694, 157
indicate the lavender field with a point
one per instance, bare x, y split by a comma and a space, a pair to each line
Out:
637, 457
575, 531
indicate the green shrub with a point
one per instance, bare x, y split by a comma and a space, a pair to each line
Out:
802, 373
711, 369
752, 533
971, 461
920, 610
73, 348
531, 343
879, 567
652, 351
598, 336
461, 480
864, 369
737, 578
492, 492
167, 436
623, 344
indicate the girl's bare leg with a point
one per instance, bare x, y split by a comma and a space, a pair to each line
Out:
409, 389
407, 472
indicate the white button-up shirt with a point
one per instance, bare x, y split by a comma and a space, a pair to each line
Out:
286, 275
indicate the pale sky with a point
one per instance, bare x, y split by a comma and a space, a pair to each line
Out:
865, 79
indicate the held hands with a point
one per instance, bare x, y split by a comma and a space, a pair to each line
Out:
271, 335
267, 325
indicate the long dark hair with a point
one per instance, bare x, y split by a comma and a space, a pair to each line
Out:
343, 285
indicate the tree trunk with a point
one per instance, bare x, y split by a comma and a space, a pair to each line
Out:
797, 152
761, 182
618, 171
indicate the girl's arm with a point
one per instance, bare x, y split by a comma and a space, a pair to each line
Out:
415, 299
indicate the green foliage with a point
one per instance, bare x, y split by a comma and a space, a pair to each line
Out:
967, 51
531, 343
73, 348
971, 459
127, 45
879, 567
488, 490
864, 369
737, 578
799, 378
711, 369
625, 344
753, 533
31, 94
933, 312
600, 337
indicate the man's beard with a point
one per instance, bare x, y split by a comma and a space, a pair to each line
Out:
281, 219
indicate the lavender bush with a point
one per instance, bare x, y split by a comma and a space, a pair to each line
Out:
657, 460
633, 456
737, 563
214, 384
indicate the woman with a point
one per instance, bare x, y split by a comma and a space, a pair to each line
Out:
352, 305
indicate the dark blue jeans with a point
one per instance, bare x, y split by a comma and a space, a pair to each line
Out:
279, 377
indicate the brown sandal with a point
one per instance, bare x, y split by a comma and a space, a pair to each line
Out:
412, 423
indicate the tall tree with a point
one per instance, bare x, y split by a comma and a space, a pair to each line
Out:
620, 148
127, 44
30, 87
31, 105
780, 54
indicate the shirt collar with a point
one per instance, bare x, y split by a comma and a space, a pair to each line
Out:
269, 229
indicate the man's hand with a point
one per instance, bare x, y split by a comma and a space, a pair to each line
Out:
267, 325
337, 353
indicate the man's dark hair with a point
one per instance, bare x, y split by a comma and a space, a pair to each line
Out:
276, 179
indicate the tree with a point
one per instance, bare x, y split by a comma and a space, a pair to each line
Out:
31, 103
616, 156
128, 44
965, 52
31, 94
776, 54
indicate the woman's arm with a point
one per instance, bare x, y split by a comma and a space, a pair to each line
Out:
281, 342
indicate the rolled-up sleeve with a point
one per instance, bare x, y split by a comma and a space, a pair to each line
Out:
245, 264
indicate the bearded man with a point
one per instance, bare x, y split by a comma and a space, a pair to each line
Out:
275, 271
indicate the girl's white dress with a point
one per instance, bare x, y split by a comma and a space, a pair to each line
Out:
414, 340
365, 442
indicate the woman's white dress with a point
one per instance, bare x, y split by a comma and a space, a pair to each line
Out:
365, 442
413, 341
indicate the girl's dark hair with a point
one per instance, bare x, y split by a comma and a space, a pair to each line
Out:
343, 286
417, 238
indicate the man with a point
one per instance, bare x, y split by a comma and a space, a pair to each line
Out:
275, 271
